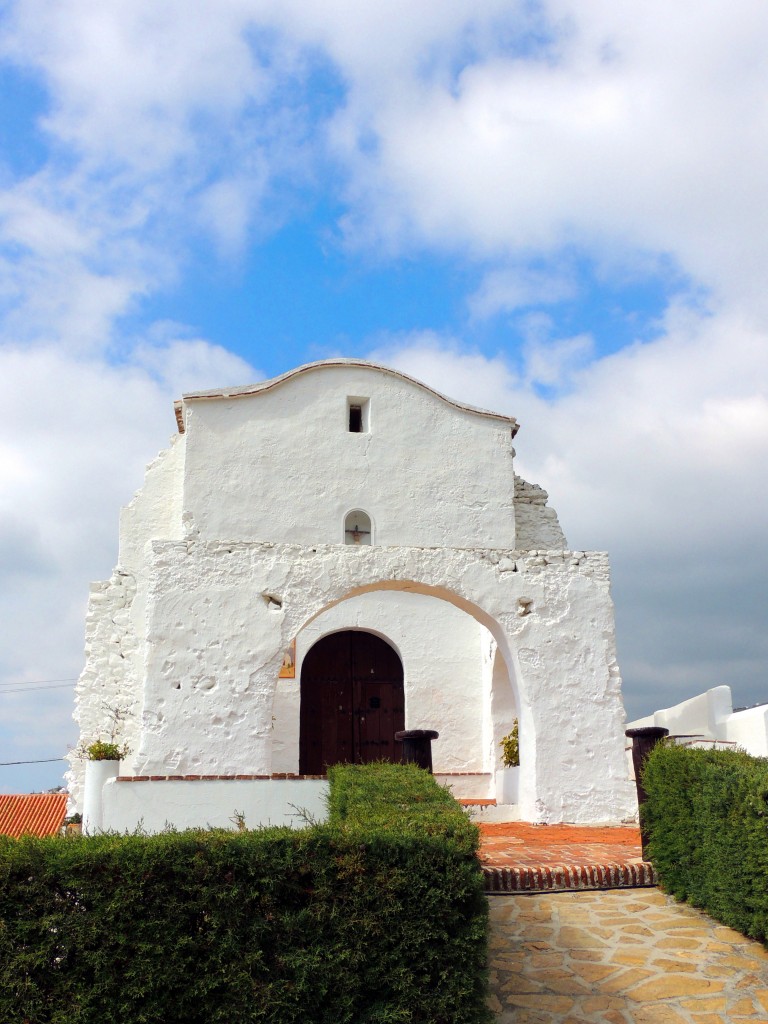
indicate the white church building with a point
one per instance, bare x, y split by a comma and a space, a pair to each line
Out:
321, 560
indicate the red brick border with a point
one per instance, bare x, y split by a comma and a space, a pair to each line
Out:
211, 778
563, 878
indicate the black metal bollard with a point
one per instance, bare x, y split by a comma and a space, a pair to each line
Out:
417, 746
643, 742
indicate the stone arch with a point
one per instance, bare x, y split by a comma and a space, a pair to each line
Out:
502, 663
444, 594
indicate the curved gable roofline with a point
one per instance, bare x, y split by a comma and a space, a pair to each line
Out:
268, 385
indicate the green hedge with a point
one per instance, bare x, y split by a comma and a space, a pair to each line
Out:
376, 917
707, 817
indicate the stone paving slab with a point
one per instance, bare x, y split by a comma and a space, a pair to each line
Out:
626, 956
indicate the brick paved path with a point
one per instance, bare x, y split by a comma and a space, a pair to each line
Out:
626, 956
518, 857
516, 844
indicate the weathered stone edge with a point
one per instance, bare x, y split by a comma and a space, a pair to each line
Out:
569, 877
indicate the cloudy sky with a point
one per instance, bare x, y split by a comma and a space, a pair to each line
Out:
555, 209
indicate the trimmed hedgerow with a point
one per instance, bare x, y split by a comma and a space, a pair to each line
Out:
376, 917
707, 817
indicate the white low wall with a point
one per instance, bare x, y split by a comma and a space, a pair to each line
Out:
710, 717
749, 729
466, 786
153, 805
702, 715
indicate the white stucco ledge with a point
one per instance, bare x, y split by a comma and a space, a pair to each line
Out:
152, 805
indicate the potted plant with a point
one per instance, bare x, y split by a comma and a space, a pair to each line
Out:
101, 750
508, 776
102, 764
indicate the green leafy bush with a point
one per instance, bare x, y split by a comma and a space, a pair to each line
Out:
510, 748
102, 750
376, 917
707, 817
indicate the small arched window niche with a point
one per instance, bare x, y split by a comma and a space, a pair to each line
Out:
357, 528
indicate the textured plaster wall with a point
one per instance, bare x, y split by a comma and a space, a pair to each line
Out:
156, 509
220, 615
282, 464
108, 692
439, 646
537, 525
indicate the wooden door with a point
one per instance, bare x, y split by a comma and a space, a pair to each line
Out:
352, 702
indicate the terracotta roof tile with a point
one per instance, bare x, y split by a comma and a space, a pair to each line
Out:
36, 814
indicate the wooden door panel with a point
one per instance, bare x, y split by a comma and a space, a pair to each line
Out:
352, 702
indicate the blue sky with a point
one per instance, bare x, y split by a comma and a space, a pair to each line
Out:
554, 209
299, 295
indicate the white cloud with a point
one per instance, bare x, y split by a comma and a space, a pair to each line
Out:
71, 263
129, 80
638, 130
497, 131
445, 365
180, 363
77, 434
508, 289
550, 362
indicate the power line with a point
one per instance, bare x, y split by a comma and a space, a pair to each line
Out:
45, 760
34, 689
36, 682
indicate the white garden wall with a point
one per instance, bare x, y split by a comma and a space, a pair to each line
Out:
154, 804
710, 717
749, 729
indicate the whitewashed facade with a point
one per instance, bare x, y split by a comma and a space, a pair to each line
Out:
344, 496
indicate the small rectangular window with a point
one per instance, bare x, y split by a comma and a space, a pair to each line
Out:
355, 419
357, 415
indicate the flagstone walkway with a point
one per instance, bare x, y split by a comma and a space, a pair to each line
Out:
623, 956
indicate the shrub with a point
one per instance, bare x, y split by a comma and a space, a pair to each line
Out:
101, 750
376, 917
707, 818
510, 748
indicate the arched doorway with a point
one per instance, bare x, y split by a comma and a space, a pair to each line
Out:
352, 702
